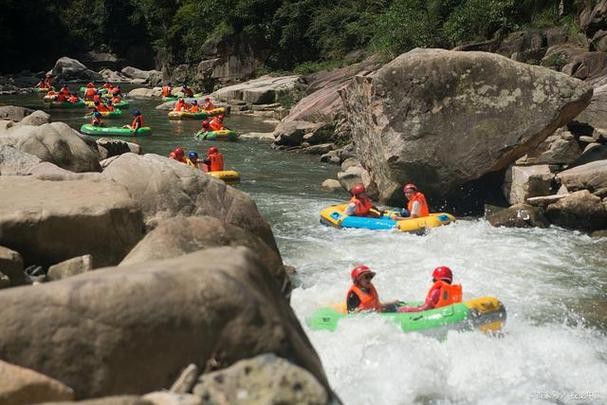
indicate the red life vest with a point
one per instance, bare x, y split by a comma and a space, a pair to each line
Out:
363, 206
368, 300
449, 293
179, 105
208, 106
97, 97
73, 99
421, 199
216, 124
166, 91
216, 162
195, 108
137, 119
90, 92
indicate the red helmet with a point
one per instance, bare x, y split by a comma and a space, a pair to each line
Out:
212, 150
179, 152
442, 273
220, 116
357, 189
358, 271
409, 187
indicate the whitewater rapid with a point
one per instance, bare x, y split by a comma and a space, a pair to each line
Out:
553, 349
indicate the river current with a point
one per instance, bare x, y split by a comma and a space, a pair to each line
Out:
553, 283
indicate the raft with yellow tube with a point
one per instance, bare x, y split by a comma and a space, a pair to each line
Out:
200, 115
486, 314
228, 176
335, 216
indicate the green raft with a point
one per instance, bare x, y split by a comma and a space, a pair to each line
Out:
117, 113
113, 131
486, 314
100, 90
223, 135
67, 104
171, 98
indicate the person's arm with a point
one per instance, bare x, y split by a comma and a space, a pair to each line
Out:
416, 209
350, 209
352, 302
430, 303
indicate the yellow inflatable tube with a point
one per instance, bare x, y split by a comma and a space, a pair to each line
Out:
229, 176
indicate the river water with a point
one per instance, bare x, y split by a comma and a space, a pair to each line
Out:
553, 283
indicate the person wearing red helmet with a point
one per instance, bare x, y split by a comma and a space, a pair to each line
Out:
360, 204
216, 123
208, 105
214, 160
416, 205
178, 154
362, 295
442, 292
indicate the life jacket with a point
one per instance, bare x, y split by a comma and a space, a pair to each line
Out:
109, 107
116, 100
166, 91
137, 119
363, 206
419, 197
208, 106
90, 92
449, 293
216, 162
65, 91
216, 124
179, 106
195, 108
73, 99
205, 125
97, 97
115, 91
101, 107
61, 98
368, 300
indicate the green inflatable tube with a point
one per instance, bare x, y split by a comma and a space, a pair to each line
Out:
117, 113
101, 90
223, 135
113, 131
122, 104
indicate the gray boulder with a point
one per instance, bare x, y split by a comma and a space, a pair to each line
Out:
135, 73
265, 379
14, 162
19, 385
111, 400
38, 117
580, 210
166, 188
71, 69
49, 221
182, 235
56, 143
596, 113
591, 176
14, 113
592, 153
560, 148
262, 90
109, 147
212, 308
442, 118
331, 185
113, 76
291, 133
145, 92
519, 216
11, 265
522, 182
70, 267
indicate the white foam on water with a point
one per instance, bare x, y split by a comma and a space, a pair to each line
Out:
547, 353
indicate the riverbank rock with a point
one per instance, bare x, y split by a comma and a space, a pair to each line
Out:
109, 147
560, 148
211, 308
11, 265
522, 182
145, 92
593, 17
596, 112
166, 188
178, 236
14, 162
263, 90
19, 385
152, 77
265, 379
330, 185
111, 400
442, 118
70, 267
56, 143
14, 113
519, 216
579, 210
68, 69
113, 77
48, 221
591, 176
38, 117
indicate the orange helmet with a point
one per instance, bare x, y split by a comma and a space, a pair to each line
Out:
358, 272
442, 273
357, 189
212, 150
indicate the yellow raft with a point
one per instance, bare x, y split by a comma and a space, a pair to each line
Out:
200, 115
335, 216
229, 176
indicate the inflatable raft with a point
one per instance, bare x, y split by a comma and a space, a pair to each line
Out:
42, 89
486, 314
66, 104
117, 113
229, 176
222, 135
170, 98
100, 90
113, 131
335, 216
186, 115
122, 104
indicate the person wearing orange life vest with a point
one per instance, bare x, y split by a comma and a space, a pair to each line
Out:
115, 91
180, 105
360, 204
416, 205
61, 97
208, 105
116, 99
107, 85
178, 154
90, 91
216, 123
137, 121
99, 106
96, 98
167, 90
96, 121
73, 98
206, 127
362, 295
109, 105
195, 107
214, 160
441, 294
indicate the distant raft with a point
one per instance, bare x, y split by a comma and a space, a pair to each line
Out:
66, 104
486, 314
228, 176
335, 216
117, 113
221, 135
200, 115
122, 104
113, 131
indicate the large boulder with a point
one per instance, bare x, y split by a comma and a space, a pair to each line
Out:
11, 265
591, 176
19, 385
178, 236
14, 162
522, 182
580, 210
442, 118
146, 75
291, 133
263, 90
265, 379
56, 143
113, 76
596, 112
14, 113
38, 117
560, 148
71, 69
519, 216
49, 221
211, 308
587, 65
593, 17
166, 188
143, 92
